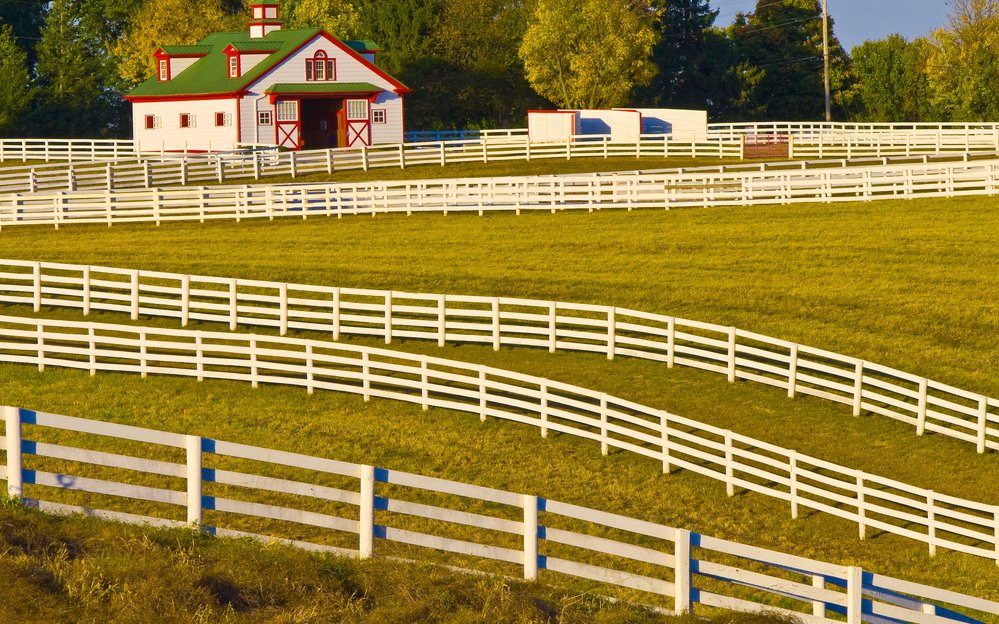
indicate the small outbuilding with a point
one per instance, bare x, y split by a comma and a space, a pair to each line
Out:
298, 89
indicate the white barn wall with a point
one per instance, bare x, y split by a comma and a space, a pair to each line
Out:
550, 126
681, 124
204, 136
179, 64
621, 125
392, 130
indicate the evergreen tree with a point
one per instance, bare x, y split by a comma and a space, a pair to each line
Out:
784, 40
689, 58
25, 17
402, 28
16, 94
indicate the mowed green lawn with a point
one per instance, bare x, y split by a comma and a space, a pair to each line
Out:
906, 284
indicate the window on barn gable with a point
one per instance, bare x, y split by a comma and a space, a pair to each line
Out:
164, 69
263, 118
319, 67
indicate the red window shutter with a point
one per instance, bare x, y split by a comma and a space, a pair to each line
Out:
219, 119
150, 122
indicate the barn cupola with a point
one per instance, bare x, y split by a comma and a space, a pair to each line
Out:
264, 16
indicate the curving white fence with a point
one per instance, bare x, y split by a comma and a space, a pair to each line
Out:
871, 501
515, 194
374, 505
928, 405
183, 169
65, 149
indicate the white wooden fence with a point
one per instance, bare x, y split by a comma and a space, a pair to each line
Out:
221, 167
65, 149
583, 192
871, 501
378, 504
928, 405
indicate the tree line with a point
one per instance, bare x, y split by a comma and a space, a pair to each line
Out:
66, 64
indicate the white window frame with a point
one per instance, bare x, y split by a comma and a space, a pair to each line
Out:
352, 110
164, 70
265, 118
234, 66
226, 119
287, 110
192, 120
379, 116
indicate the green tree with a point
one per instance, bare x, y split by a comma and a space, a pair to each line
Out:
963, 65
689, 57
589, 53
16, 94
168, 22
402, 28
784, 40
26, 18
338, 17
891, 80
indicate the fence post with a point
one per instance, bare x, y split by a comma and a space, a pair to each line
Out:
283, 312
146, 177
983, 414
792, 373
85, 284
254, 372
854, 595
388, 318
366, 376
861, 508
92, 348
233, 306
543, 390
402, 156
611, 332
185, 300
483, 398
729, 466
793, 477
336, 314
329, 161
603, 424
292, 165
731, 355
366, 524
443, 156
193, 448
552, 327
818, 606
220, 174
256, 165
142, 354
858, 388
36, 270
670, 342
931, 519
681, 572
530, 537
664, 427
496, 324
199, 358
15, 477
921, 409
134, 279
183, 171
441, 320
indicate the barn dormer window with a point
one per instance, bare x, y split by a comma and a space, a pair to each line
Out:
320, 67
234, 66
164, 69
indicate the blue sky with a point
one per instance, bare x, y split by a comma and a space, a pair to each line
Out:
857, 20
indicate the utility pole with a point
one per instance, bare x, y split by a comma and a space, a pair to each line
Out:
825, 55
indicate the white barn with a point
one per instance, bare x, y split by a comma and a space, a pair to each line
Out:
300, 89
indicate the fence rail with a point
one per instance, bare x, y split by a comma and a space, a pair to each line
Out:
221, 167
65, 149
583, 192
927, 405
376, 504
870, 501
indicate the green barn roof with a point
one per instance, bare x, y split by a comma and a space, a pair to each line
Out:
209, 75
324, 87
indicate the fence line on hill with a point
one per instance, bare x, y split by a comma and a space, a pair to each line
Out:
377, 504
221, 167
870, 501
553, 193
927, 405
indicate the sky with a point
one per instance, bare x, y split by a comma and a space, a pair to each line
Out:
858, 20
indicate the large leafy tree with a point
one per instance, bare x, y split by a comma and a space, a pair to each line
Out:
16, 93
338, 17
963, 66
25, 17
891, 81
784, 40
169, 22
589, 53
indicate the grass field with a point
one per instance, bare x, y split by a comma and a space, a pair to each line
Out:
906, 284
